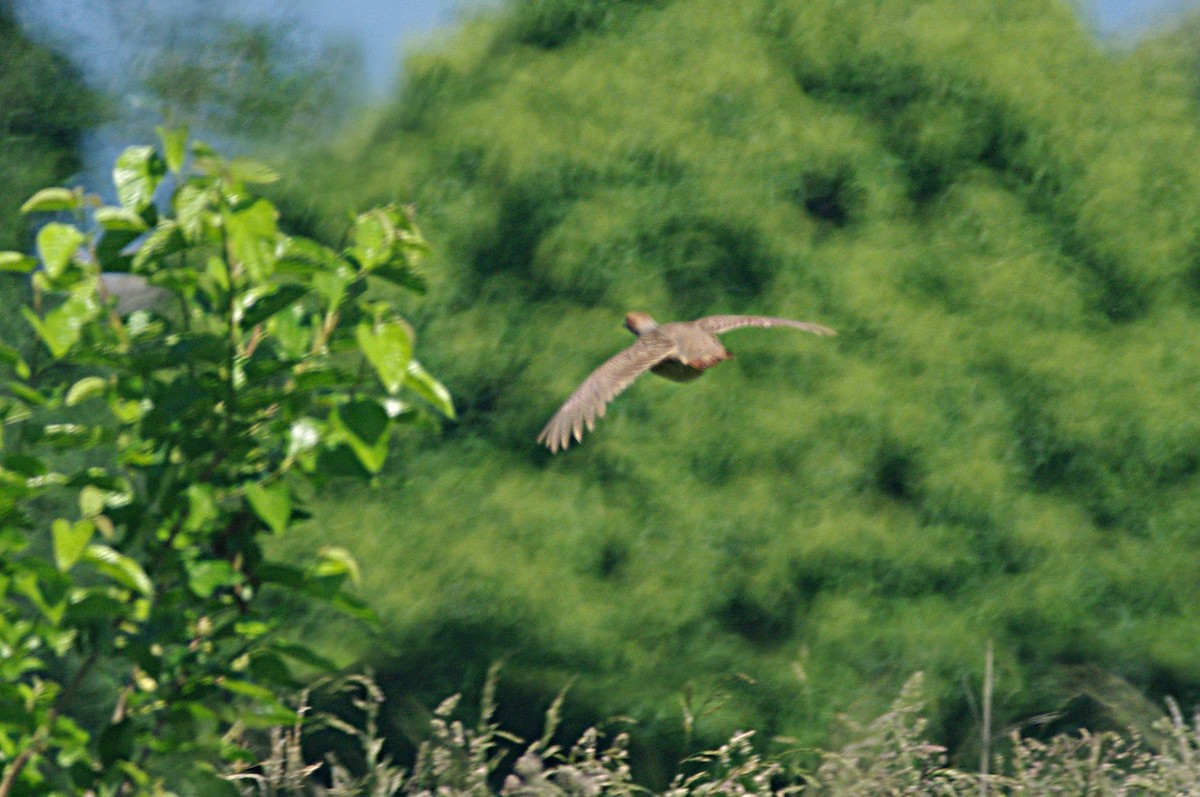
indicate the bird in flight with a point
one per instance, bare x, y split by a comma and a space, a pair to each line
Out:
680, 351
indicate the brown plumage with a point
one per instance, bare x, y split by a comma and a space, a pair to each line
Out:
680, 351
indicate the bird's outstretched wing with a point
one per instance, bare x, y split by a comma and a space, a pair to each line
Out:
590, 399
716, 324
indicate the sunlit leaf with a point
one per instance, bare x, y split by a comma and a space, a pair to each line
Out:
62, 327
53, 199
120, 219
373, 235
304, 256
87, 388
70, 541
16, 261
252, 233
388, 347
208, 575
335, 560
136, 175
192, 205
424, 385
202, 507
57, 244
174, 144
272, 504
119, 567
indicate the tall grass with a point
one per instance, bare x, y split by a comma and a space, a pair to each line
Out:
890, 755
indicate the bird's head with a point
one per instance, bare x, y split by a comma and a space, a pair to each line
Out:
639, 323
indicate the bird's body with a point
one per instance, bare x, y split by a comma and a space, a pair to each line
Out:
679, 351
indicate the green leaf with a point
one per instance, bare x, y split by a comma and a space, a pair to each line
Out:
294, 336
136, 175
336, 561
251, 171
252, 232
45, 590
87, 388
340, 459
266, 306
26, 465
268, 711
208, 575
164, 241
191, 203
70, 541
365, 425
119, 567
399, 272
332, 285
112, 250
373, 235
28, 394
272, 504
120, 219
52, 200
61, 328
174, 144
13, 358
57, 243
16, 261
92, 500
424, 385
202, 506
304, 256
252, 629
388, 347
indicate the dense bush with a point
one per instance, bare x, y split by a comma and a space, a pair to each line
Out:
1001, 219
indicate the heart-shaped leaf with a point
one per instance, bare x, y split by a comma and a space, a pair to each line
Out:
272, 504
70, 541
57, 244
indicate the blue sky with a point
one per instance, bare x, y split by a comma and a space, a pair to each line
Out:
1135, 15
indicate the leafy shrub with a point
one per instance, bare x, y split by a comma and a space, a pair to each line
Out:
146, 459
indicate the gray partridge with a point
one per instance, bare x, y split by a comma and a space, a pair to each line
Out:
680, 351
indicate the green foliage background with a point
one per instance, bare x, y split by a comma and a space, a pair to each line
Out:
43, 110
1000, 217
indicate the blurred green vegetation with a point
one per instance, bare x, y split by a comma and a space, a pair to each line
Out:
1000, 216
44, 108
